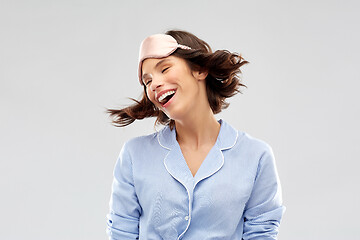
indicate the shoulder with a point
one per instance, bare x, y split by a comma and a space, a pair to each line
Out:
140, 140
257, 152
144, 143
249, 153
253, 143
251, 150
244, 140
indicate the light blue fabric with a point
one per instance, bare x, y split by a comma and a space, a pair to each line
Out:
234, 195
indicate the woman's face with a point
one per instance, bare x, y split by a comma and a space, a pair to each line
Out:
171, 85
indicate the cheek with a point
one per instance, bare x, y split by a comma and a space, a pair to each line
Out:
172, 76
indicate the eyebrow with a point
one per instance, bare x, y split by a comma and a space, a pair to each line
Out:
156, 66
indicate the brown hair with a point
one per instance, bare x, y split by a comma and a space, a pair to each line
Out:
222, 81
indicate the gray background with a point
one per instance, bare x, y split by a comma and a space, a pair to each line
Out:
63, 62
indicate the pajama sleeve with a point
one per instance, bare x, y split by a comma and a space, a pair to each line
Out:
125, 210
264, 209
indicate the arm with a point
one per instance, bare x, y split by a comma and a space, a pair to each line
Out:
264, 208
125, 210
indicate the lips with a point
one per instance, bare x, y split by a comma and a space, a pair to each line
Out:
165, 96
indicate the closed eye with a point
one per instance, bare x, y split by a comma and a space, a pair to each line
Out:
147, 82
165, 69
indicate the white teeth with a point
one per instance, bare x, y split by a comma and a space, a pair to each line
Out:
162, 97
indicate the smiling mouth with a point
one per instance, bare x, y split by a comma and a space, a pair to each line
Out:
164, 98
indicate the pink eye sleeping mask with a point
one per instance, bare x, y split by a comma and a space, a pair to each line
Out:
157, 46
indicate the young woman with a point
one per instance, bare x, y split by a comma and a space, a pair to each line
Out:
197, 178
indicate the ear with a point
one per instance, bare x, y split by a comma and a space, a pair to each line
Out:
200, 75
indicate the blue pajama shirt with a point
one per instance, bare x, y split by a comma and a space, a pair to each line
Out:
234, 195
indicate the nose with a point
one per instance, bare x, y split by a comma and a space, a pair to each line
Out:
156, 82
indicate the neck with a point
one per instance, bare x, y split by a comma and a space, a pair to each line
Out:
197, 130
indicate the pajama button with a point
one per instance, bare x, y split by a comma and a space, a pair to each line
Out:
187, 218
